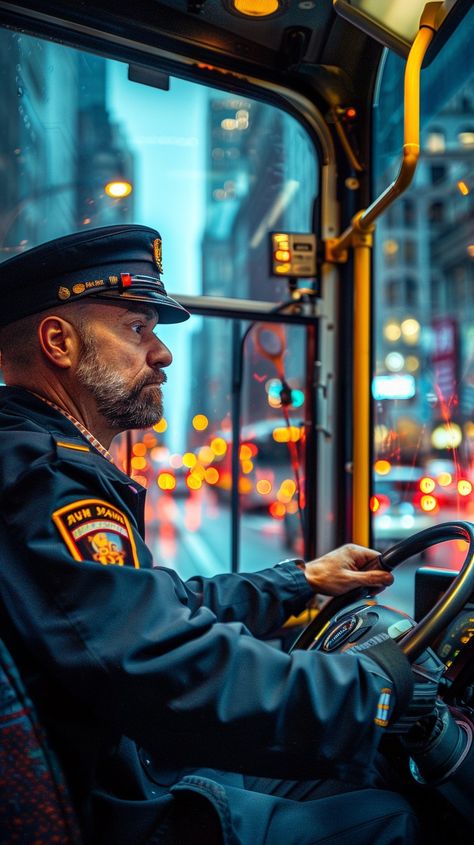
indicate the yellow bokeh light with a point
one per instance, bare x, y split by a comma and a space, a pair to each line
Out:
211, 475
247, 466
225, 480
206, 455
392, 331
444, 479
166, 481
281, 434
263, 487
138, 462
189, 459
428, 503
382, 467
219, 446
464, 487
469, 429
427, 485
288, 487
193, 482
390, 247
200, 422
412, 363
199, 471
410, 330
245, 452
139, 449
160, 426
245, 485
446, 436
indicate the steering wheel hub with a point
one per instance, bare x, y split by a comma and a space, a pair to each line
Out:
358, 627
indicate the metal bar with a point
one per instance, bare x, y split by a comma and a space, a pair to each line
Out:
236, 403
363, 220
311, 449
362, 451
246, 309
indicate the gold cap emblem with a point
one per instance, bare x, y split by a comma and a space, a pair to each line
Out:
79, 288
157, 254
64, 293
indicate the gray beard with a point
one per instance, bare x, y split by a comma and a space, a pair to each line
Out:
121, 406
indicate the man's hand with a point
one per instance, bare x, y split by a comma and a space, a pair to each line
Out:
344, 569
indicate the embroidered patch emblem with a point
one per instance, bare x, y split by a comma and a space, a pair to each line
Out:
96, 530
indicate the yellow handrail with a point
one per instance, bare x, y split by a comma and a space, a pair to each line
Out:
359, 236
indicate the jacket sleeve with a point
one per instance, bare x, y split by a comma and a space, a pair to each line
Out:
135, 650
261, 600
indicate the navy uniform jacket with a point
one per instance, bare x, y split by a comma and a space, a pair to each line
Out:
121, 656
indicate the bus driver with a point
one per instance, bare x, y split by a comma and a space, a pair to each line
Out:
172, 720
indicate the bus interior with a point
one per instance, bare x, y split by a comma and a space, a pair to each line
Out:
311, 171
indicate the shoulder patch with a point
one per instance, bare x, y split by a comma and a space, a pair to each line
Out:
96, 530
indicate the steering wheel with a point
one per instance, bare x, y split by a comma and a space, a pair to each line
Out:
354, 618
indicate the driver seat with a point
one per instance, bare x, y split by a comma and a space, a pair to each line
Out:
34, 802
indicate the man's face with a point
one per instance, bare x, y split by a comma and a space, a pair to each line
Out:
121, 364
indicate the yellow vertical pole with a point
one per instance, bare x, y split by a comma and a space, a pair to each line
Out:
362, 432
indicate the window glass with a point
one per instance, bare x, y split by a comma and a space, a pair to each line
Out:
424, 333
86, 144
212, 171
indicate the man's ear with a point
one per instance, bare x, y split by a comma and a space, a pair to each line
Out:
59, 341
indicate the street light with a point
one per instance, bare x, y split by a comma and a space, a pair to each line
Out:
117, 189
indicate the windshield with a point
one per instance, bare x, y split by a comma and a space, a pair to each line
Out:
93, 142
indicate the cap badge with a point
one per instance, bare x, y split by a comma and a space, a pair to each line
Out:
64, 293
79, 288
157, 254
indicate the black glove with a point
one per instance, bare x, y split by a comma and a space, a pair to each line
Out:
435, 745
408, 690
